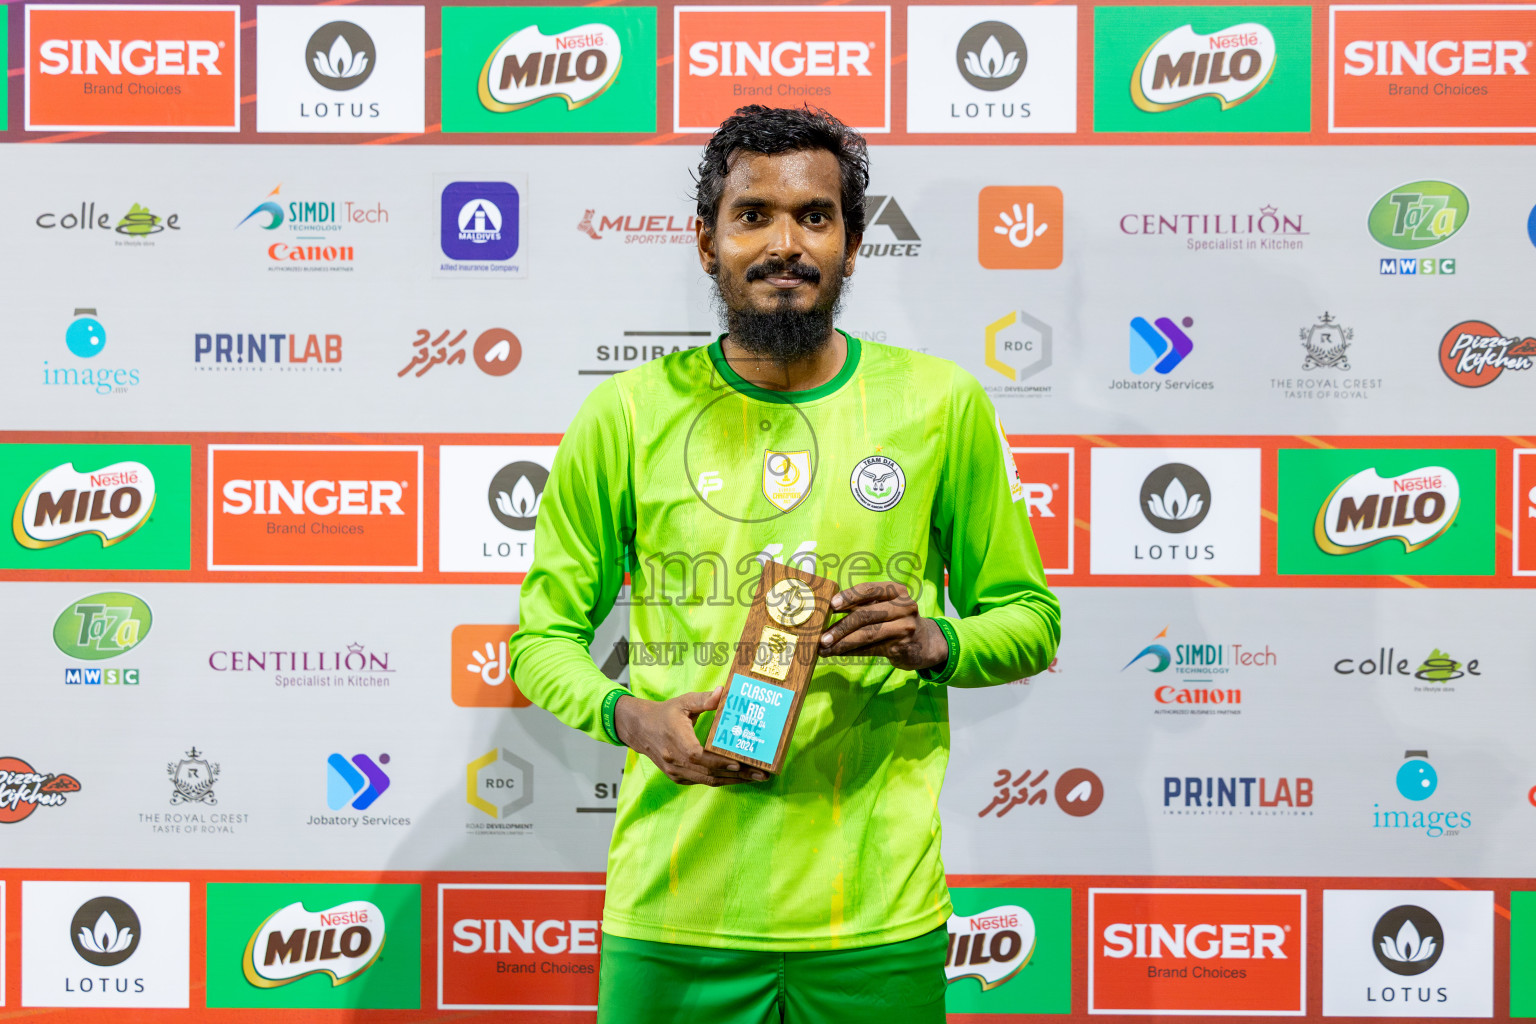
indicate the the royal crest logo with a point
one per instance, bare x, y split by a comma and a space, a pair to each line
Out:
577, 65
1327, 344
1474, 353
991, 946
192, 779
1184, 65
23, 789
878, 483
786, 478
342, 942
1366, 509
112, 502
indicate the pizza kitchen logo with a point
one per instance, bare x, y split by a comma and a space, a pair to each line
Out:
1474, 353
1415, 508
1182, 66
23, 789
340, 942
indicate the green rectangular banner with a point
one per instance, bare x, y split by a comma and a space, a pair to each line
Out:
1010, 951
1522, 952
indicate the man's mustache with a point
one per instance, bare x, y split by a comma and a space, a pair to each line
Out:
775, 267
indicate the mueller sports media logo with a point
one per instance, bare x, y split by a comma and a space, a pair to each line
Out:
315, 508
639, 228
1229, 65
1237, 795
518, 947
215, 352
577, 66
112, 503
1197, 951
837, 58
24, 789
130, 68
1049, 480
340, 942
1078, 792
1474, 353
1457, 69
361, 72
1408, 953
1414, 508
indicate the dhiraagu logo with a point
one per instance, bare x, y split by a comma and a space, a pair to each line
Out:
1418, 215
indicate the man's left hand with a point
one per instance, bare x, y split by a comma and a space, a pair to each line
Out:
883, 622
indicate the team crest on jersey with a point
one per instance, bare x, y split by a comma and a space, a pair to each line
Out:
878, 483
1010, 465
786, 478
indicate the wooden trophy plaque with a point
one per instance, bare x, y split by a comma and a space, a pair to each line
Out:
778, 652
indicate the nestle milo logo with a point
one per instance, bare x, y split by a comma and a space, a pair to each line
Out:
102, 626
1418, 215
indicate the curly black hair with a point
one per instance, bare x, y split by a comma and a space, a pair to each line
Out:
760, 129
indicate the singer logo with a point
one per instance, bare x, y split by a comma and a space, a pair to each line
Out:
117, 68
1456, 69
314, 508
837, 58
1047, 477
1197, 951
518, 947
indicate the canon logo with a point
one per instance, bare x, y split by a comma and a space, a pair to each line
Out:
473, 935
1201, 941
313, 497
790, 59
1399, 57
135, 57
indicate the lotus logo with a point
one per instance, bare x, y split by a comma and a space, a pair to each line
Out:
991, 56
340, 56
1408, 940
515, 492
1415, 508
105, 931
1175, 498
1231, 66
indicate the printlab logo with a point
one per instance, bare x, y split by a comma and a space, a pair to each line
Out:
105, 931
1017, 346
496, 351
1474, 353
1408, 940
288, 353
479, 229
991, 69
1253, 795
1019, 227
99, 627
192, 779
340, 56
358, 782
1175, 498
1077, 791
1417, 215
23, 789
363, 73
886, 213
86, 338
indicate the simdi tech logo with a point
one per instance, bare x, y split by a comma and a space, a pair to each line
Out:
1202, 69
549, 69
1431, 68
130, 68
1197, 951
315, 508
1426, 511
518, 947
1010, 951
314, 946
1408, 953
832, 57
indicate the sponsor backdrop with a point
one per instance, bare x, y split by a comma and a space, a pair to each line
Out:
302, 298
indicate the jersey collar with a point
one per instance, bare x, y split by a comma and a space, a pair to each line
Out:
737, 382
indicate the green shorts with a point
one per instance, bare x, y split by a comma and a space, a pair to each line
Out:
899, 983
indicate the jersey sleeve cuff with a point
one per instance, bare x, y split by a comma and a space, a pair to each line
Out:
611, 701
942, 673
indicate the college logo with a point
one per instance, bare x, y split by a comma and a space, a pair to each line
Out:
1019, 227
105, 944
1197, 951
112, 503
833, 58
315, 508
1048, 476
1174, 510
479, 228
1388, 511
1009, 951
1460, 69
479, 671
787, 478
991, 69
1408, 953
518, 947
877, 483
1418, 215
1202, 69
192, 778
1437, 669
1473, 353
1078, 792
499, 784
315, 73
488, 505
548, 69
140, 69
23, 790
99, 627
358, 782
137, 224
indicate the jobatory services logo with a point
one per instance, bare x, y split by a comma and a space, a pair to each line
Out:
315, 508
23, 789
1160, 511
549, 69
832, 57
992, 69
1398, 511
518, 947
105, 944
1408, 953
1474, 353
479, 668
1251, 796
1197, 951
1159, 345
498, 784
488, 504
479, 228
1010, 951
314, 946
355, 782
323, 70
1077, 792
1016, 347
100, 627
1020, 227
1202, 69
302, 352
1459, 68
496, 351
85, 338
116, 68
314, 235
1049, 480
1196, 667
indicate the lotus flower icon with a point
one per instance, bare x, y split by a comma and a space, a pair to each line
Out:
106, 937
1175, 502
1175, 497
105, 931
522, 503
1408, 940
341, 61
1407, 946
991, 55
991, 62
340, 55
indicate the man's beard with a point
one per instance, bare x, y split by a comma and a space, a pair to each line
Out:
782, 334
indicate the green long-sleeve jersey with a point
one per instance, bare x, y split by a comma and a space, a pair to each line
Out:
686, 476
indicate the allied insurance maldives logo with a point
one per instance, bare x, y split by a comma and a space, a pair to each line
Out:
315, 508
832, 57
129, 68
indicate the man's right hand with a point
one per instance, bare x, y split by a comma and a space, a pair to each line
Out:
663, 731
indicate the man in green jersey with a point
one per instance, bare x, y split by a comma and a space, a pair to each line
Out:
816, 895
